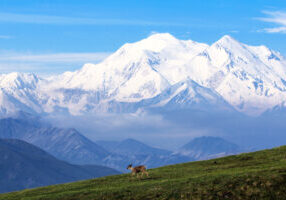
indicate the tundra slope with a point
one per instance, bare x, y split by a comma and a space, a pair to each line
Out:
258, 175
157, 71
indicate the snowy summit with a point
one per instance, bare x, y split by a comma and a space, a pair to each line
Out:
154, 72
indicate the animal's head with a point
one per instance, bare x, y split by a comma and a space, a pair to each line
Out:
129, 166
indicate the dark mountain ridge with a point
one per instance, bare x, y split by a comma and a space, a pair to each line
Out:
23, 165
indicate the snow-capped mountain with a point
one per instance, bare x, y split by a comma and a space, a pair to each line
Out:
159, 71
251, 79
18, 92
188, 94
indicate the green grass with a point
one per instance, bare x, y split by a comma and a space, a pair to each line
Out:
258, 175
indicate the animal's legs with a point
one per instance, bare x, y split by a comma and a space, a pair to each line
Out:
146, 173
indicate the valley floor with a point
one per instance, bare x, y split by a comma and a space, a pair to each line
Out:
258, 175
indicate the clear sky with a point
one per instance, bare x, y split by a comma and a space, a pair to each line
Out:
54, 36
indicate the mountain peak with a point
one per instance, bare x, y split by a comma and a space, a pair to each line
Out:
206, 147
162, 36
155, 42
227, 40
207, 141
130, 141
18, 80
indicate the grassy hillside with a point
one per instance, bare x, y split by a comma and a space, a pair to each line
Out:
259, 175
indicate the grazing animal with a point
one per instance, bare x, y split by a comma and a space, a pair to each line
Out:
138, 169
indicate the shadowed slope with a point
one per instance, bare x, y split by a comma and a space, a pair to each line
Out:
23, 165
64, 143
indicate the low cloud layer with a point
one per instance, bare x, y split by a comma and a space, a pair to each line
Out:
171, 130
152, 128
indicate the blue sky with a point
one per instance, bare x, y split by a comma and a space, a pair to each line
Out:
50, 37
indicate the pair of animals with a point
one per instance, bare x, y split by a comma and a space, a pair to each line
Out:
138, 169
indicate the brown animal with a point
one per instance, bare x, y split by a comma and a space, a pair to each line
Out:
138, 169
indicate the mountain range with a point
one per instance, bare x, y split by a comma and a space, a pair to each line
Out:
65, 144
24, 165
137, 153
70, 145
189, 82
159, 71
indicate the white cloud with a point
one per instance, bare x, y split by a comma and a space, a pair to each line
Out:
5, 37
277, 18
62, 20
276, 30
59, 57
47, 63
